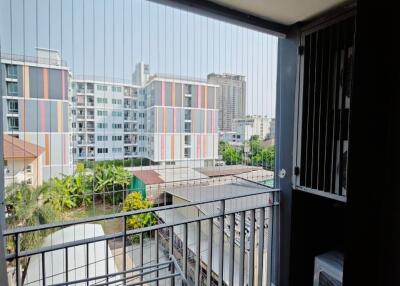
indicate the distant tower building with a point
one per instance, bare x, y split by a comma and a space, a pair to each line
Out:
36, 106
141, 74
231, 98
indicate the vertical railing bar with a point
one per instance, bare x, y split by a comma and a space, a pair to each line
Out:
252, 247
124, 247
16, 241
327, 108
242, 247
43, 269
269, 242
157, 255
107, 260
260, 263
141, 253
87, 263
322, 65
66, 264
335, 99
197, 270
185, 246
171, 251
209, 253
231, 248
309, 50
314, 107
221, 245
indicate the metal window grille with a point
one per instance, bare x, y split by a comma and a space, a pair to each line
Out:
323, 109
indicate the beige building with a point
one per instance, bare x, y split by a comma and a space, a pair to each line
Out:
23, 162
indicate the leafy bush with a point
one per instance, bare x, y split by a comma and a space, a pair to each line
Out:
134, 201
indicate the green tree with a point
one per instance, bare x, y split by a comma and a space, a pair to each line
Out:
30, 206
231, 156
112, 179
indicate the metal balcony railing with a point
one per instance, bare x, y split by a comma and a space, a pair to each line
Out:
233, 237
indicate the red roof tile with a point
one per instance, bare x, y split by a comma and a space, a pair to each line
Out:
15, 148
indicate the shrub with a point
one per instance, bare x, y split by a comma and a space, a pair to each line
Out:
134, 201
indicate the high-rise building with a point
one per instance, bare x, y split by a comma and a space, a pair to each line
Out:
231, 98
35, 106
164, 120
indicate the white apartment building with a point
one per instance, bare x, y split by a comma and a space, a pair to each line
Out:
104, 120
165, 120
254, 125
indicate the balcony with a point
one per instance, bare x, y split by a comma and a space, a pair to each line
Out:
166, 252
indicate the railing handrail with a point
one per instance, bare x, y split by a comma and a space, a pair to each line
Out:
25, 229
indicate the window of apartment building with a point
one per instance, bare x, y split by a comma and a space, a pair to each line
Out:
188, 139
188, 114
187, 102
116, 138
141, 126
188, 127
187, 152
102, 100
117, 150
12, 89
101, 87
116, 101
102, 138
117, 113
102, 112
116, 88
13, 123
102, 125
12, 71
12, 106
116, 125
28, 169
102, 150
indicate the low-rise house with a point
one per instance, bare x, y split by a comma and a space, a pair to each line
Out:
23, 162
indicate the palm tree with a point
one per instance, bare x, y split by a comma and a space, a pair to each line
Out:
30, 206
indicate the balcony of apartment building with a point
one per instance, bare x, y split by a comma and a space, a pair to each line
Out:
80, 87
90, 152
81, 114
90, 88
80, 127
90, 139
90, 114
130, 127
90, 126
89, 101
128, 103
248, 233
80, 100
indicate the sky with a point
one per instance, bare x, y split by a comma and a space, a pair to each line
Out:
106, 38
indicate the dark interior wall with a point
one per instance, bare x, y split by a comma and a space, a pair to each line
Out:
317, 227
373, 236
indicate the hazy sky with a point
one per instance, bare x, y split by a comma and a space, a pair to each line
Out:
108, 37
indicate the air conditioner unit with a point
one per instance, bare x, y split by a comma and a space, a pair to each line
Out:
328, 269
